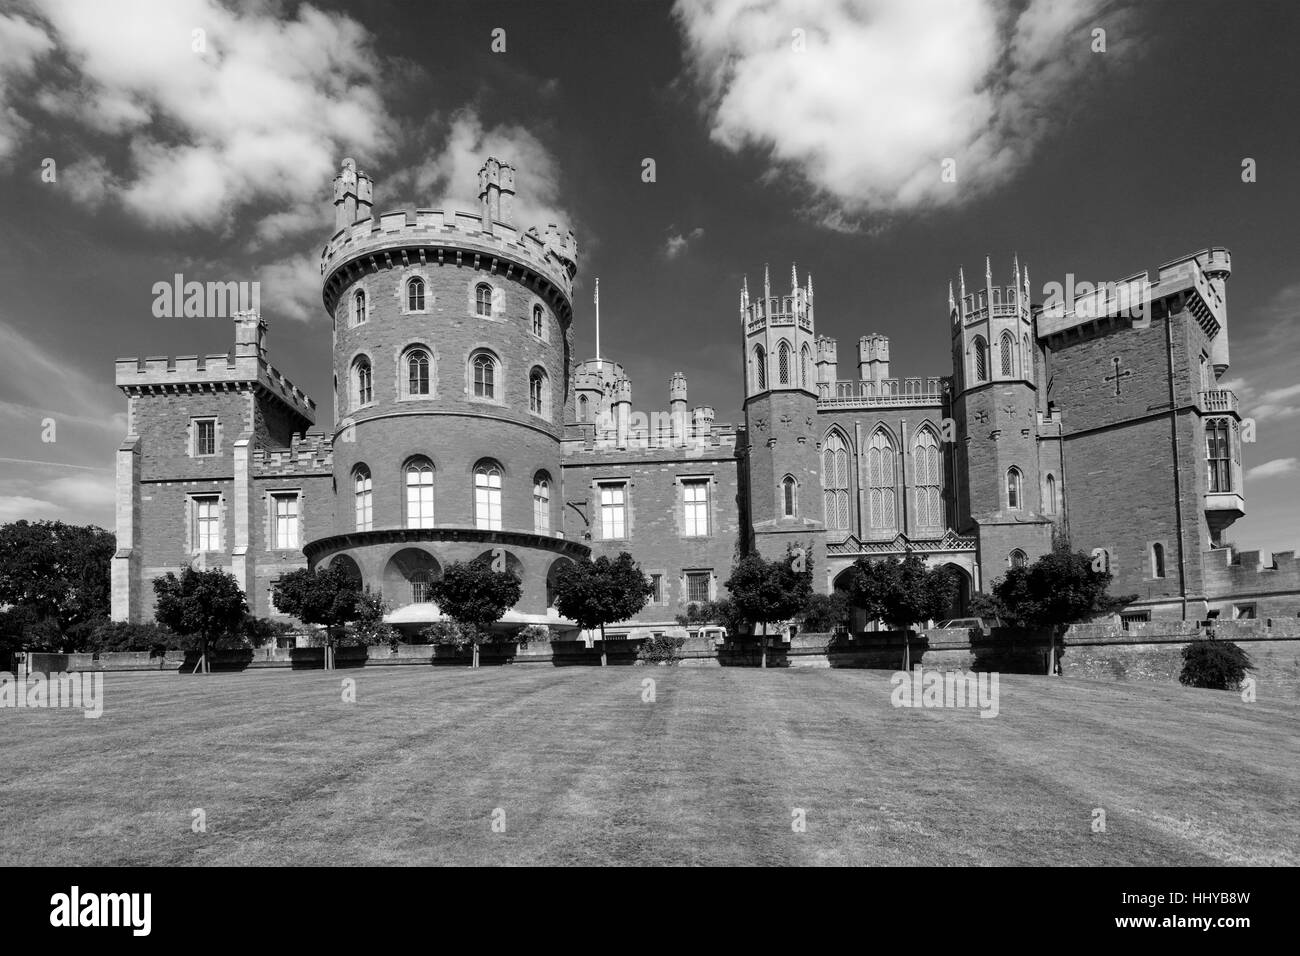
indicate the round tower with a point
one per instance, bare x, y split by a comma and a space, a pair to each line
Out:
452, 374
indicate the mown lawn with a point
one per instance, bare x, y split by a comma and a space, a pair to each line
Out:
586, 772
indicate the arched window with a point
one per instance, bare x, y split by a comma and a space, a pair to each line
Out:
1017, 559
1049, 501
415, 294
419, 493
420, 582
537, 321
361, 491
925, 458
981, 359
783, 362
1157, 560
537, 403
362, 382
760, 368
483, 299
1218, 454
582, 408
835, 482
542, 503
417, 372
359, 308
1008, 357
805, 363
484, 369
1013, 489
881, 503
487, 495
1027, 357
789, 496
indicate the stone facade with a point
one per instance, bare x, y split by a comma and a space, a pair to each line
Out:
463, 425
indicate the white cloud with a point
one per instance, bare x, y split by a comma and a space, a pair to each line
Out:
677, 242
258, 119
885, 91
291, 287
1278, 466
22, 43
449, 178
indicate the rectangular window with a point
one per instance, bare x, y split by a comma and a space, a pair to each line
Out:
696, 497
285, 532
613, 511
206, 522
657, 584
205, 437
1243, 612
697, 586
1134, 617
1218, 455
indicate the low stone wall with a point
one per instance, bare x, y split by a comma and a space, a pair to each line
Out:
1145, 652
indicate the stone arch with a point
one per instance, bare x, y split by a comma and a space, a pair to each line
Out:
406, 573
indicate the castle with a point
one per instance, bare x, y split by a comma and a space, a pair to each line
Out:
463, 425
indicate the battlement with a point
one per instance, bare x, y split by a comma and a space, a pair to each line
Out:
990, 301
137, 376
826, 349
1197, 281
597, 374
310, 453
1243, 574
793, 308
930, 391
488, 237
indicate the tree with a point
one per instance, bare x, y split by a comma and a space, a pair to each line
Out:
368, 626
825, 612
766, 591
1061, 588
61, 575
901, 592
209, 604
475, 596
721, 612
595, 593
330, 597
1214, 664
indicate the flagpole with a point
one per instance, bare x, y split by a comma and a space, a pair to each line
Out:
597, 319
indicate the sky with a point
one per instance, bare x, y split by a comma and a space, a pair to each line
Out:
814, 132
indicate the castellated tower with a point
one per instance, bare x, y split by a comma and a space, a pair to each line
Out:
783, 364
452, 371
995, 408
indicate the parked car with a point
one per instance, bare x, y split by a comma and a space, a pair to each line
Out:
963, 623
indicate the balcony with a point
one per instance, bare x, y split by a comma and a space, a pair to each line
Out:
888, 392
1217, 400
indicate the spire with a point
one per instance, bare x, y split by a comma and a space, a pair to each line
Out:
767, 282
810, 292
961, 275
988, 271
744, 294
598, 318
1028, 297
952, 303
1016, 260
794, 280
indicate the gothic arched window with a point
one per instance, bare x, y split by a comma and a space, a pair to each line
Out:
805, 361
484, 367
417, 372
981, 359
362, 491
542, 503
537, 403
789, 496
882, 511
1049, 502
925, 456
760, 368
415, 295
483, 299
835, 482
362, 382
1017, 559
783, 362
1008, 356
359, 308
1013, 489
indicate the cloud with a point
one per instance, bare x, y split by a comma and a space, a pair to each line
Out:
1278, 466
883, 93
291, 287
450, 176
677, 242
258, 118
22, 43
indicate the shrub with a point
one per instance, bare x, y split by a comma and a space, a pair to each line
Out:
533, 633
263, 630
660, 649
123, 636
825, 613
1214, 664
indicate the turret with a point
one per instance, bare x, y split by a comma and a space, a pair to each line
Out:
496, 193
873, 357
353, 195
677, 406
622, 409
827, 362
1217, 264
702, 419
250, 335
